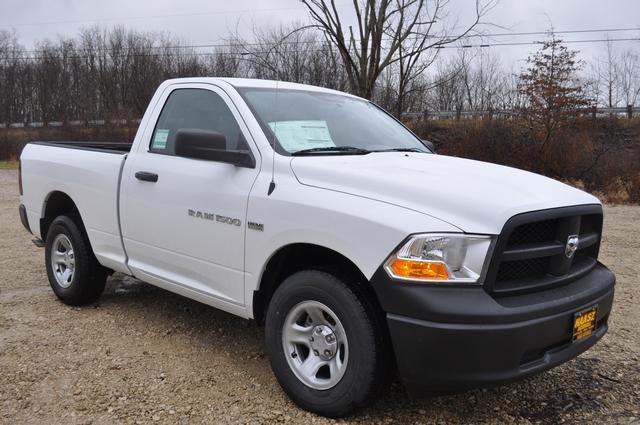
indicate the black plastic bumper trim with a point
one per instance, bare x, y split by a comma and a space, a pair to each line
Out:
23, 217
444, 304
436, 358
466, 338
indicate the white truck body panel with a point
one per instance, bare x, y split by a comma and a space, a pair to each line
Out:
193, 253
361, 229
91, 180
441, 186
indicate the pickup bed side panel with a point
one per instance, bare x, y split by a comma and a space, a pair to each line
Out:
90, 178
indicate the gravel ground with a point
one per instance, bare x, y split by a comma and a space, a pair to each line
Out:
145, 355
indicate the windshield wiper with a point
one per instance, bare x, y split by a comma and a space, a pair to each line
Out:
401, 150
344, 150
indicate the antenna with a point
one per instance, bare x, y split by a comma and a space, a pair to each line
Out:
272, 185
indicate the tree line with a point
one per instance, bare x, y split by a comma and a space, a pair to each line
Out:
112, 73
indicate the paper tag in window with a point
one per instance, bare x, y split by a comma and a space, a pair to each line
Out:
298, 135
160, 139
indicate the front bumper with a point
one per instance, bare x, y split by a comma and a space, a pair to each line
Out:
450, 338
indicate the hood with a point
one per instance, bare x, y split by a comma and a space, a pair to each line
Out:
477, 197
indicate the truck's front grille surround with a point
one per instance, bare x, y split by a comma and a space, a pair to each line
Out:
530, 252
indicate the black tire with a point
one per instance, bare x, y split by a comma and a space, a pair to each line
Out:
370, 363
89, 277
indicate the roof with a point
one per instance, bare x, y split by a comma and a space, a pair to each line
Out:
258, 83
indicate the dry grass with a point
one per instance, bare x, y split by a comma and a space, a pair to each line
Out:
600, 156
12, 140
8, 165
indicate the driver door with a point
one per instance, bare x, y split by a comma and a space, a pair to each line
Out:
185, 231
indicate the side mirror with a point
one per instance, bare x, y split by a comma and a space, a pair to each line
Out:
430, 145
211, 146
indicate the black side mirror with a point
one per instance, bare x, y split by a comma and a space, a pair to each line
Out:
430, 145
211, 146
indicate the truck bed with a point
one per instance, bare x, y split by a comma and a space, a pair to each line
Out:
108, 147
89, 174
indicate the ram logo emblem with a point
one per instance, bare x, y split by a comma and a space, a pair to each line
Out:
572, 245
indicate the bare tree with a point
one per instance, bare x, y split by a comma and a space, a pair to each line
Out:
13, 102
615, 77
629, 77
403, 32
483, 81
291, 53
227, 62
607, 77
447, 90
510, 97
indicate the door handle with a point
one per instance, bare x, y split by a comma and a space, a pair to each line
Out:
146, 176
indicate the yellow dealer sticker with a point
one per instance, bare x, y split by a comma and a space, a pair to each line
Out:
584, 323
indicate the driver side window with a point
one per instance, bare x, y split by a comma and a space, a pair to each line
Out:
195, 109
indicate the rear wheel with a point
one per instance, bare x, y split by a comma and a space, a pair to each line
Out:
74, 274
325, 343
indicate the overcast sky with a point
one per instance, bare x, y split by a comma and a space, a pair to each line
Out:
209, 21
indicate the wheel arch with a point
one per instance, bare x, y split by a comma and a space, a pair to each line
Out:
295, 257
58, 203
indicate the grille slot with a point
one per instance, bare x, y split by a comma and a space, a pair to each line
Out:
530, 252
538, 231
522, 269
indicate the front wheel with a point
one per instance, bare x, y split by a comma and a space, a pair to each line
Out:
327, 346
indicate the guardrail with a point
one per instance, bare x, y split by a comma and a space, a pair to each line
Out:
628, 111
74, 123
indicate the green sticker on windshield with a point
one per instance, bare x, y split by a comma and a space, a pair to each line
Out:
160, 139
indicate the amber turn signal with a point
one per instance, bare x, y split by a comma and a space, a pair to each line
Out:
419, 269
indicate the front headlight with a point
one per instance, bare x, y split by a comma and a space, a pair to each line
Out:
440, 258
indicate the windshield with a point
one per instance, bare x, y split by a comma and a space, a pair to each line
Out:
326, 123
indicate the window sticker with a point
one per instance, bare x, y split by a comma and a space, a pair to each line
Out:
160, 139
298, 135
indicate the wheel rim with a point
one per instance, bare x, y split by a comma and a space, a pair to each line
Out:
315, 345
63, 261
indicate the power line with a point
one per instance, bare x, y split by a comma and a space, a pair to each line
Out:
529, 43
504, 34
285, 42
257, 53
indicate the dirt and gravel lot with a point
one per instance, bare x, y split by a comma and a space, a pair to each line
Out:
145, 355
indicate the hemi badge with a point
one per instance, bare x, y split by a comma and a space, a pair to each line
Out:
255, 226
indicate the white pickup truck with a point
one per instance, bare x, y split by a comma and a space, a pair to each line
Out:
319, 215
